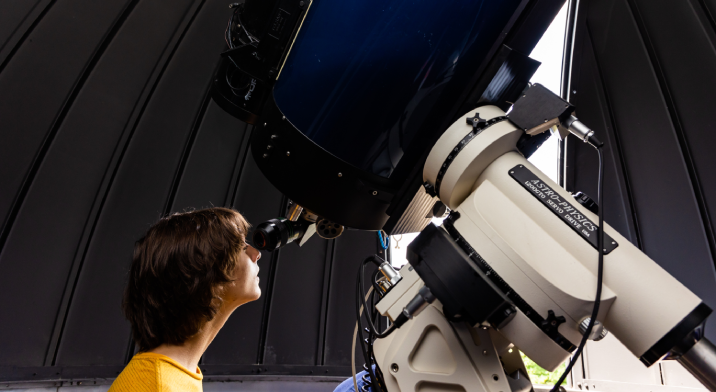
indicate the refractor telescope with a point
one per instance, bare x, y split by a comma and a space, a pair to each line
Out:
378, 115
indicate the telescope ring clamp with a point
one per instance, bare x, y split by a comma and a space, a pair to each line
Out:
478, 125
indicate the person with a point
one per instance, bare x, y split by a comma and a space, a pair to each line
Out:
189, 272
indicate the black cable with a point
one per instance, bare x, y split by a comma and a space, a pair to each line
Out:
600, 271
375, 374
366, 353
371, 325
371, 337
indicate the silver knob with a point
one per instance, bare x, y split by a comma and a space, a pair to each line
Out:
598, 331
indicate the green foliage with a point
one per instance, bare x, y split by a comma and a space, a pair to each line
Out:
541, 376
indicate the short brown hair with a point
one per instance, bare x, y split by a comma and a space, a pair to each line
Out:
178, 272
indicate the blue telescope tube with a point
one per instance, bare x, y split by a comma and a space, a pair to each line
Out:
363, 75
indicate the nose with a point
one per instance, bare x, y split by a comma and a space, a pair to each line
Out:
253, 253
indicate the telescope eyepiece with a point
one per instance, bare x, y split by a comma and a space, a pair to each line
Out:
276, 233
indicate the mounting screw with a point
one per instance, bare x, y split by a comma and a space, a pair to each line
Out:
269, 147
301, 3
340, 174
265, 155
375, 193
274, 136
394, 368
265, 124
484, 352
283, 118
574, 91
614, 243
288, 153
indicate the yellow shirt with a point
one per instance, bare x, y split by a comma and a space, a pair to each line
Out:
150, 372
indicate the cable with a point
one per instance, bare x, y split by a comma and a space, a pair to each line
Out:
366, 354
600, 271
383, 244
376, 375
361, 273
353, 347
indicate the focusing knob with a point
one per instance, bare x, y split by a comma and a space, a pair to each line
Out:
586, 201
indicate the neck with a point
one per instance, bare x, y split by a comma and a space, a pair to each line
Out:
189, 353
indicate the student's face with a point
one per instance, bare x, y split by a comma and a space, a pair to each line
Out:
245, 287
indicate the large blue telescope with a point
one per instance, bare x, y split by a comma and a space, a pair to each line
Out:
358, 91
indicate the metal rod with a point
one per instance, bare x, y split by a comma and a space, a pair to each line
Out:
700, 361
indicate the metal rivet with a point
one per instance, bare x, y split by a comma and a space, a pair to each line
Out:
394, 368
265, 124
512, 172
288, 153
274, 136
269, 147
605, 250
614, 243
484, 352
574, 91
340, 174
283, 118
265, 155
375, 193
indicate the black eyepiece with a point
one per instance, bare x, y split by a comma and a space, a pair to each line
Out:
276, 233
